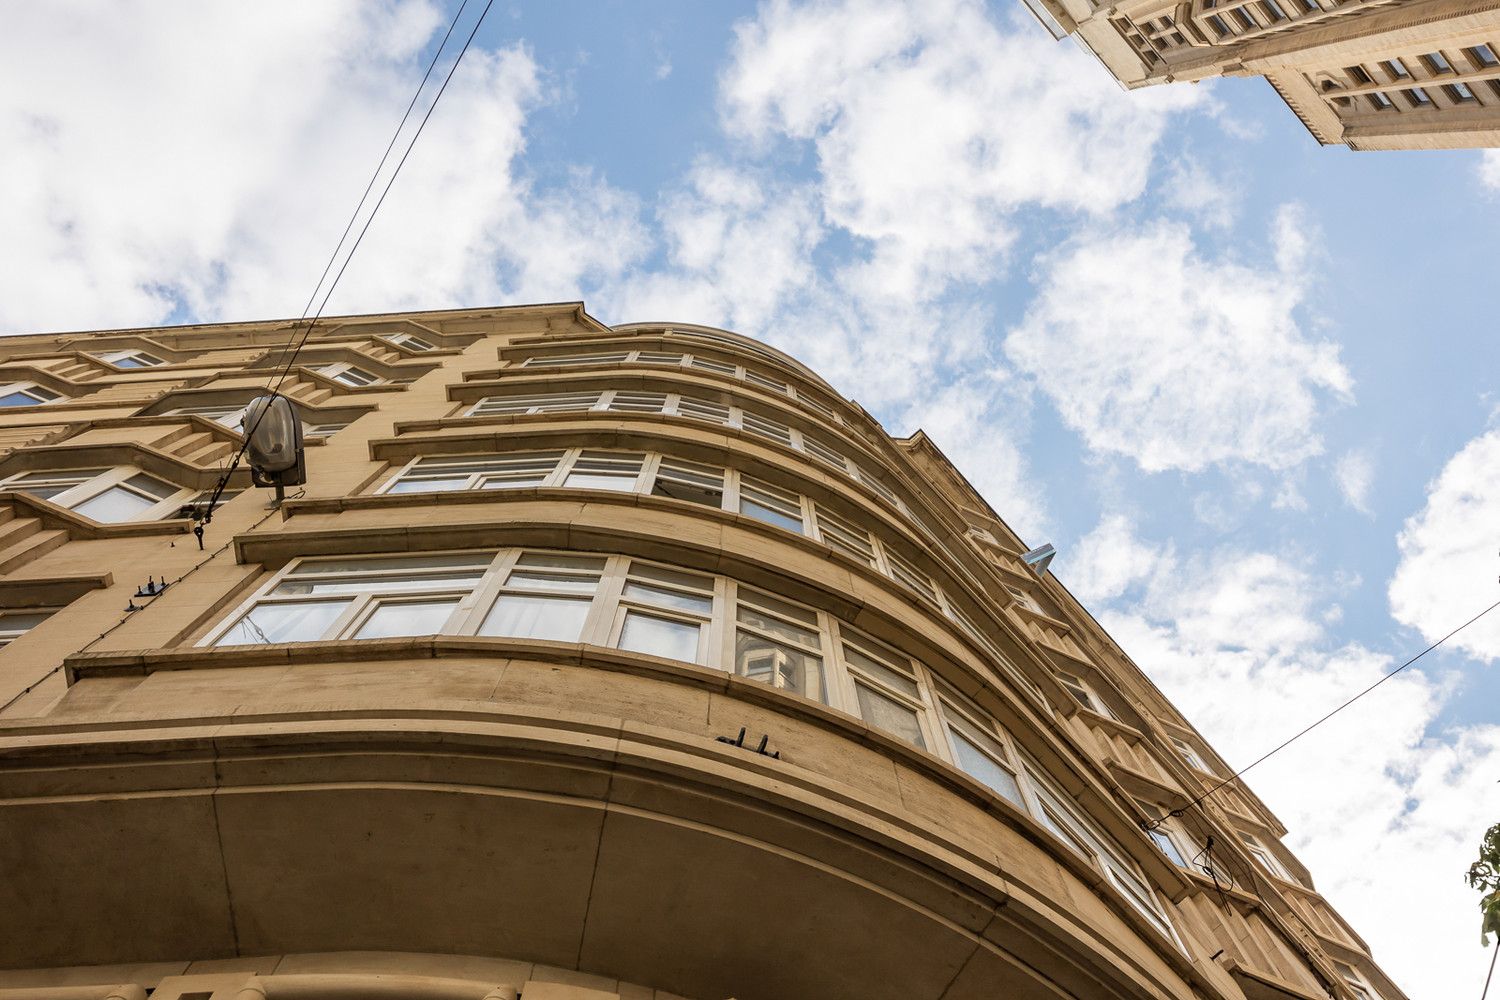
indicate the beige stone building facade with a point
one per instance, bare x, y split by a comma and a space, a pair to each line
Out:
591, 663
1370, 74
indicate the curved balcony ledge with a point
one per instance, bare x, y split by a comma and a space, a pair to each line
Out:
536, 794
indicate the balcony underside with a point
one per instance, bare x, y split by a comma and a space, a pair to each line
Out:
495, 828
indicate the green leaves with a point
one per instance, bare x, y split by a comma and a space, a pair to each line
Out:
1484, 875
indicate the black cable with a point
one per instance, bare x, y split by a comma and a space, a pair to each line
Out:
378, 167
291, 358
1492, 970
127, 616
1289, 741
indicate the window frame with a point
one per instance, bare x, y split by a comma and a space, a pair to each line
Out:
102, 482
142, 359
34, 390
336, 371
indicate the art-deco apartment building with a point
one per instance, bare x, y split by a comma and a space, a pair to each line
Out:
1371, 74
590, 663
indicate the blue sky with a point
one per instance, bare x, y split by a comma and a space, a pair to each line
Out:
1244, 383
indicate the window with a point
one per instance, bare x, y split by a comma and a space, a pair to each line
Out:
1263, 855
885, 687
765, 502
1483, 56
230, 415
1437, 62
1168, 847
683, 480
322, 430
1086, 696
26, 394
778, 643
1061, 815
1357, 985
713, 366
482, 472
1418, 98
1397, 69
905, 572
1379, 101
638, 402
605, 470
766, 427
666, 612
1187, 753
546, 596
576, 360
1274, 11
348, 374
1246, 19
130, 359
359, 598
16, 623
978, 751
843, 535
560, 402
1458, 92
412, 342
1022, 598
110, 496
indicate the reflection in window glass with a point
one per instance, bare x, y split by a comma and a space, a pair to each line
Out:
978, 756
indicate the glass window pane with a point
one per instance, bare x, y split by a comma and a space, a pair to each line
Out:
761, 512
889, 714
304, 621
778, 664
407, 618
151, 485
880, 671
660, 636
412, 564
556, 560
980, 765
1168, 848
21, 621
376, 584
533, 617
429, 485
114, 505
552, 581
17, 399
664, 598
600, 481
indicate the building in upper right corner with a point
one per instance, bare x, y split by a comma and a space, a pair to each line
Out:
1368, 74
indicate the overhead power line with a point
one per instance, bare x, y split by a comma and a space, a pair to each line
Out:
296, 343
1152, 825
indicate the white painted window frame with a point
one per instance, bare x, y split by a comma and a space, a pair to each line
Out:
103, 482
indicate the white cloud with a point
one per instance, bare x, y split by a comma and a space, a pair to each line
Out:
1151, 350
1108, 561
1354, 473
932, 124
1378, 807
1207, 196
1489, 168
214, 166
1448, 552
